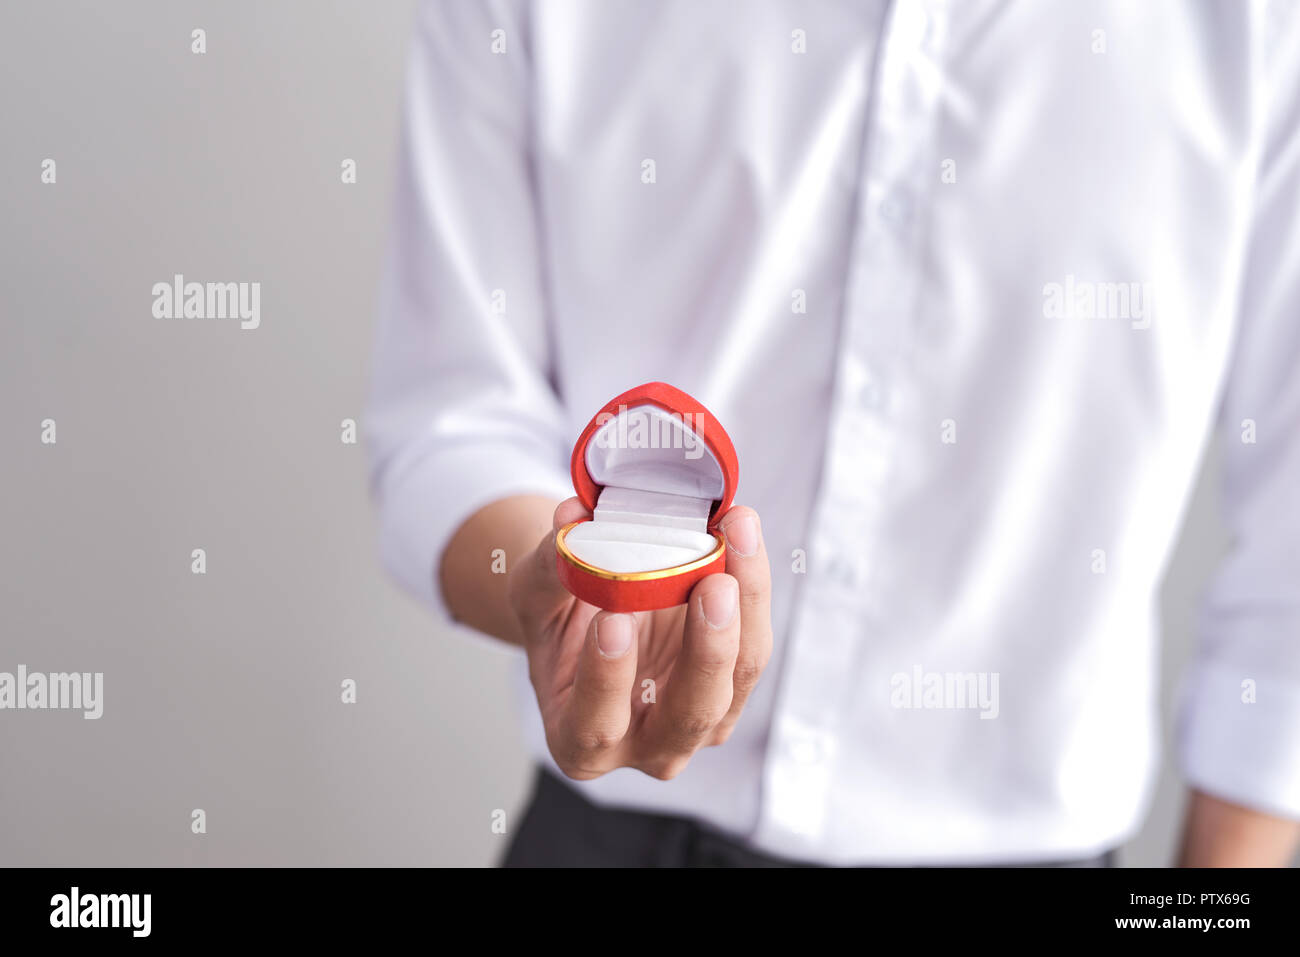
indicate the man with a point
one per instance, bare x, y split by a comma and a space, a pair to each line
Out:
968, 285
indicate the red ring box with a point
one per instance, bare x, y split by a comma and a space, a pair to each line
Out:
657, 471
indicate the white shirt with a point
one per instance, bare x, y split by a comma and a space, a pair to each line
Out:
968, 285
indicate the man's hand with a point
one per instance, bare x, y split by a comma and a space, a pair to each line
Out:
592, 669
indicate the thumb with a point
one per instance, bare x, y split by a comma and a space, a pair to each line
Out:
570, 510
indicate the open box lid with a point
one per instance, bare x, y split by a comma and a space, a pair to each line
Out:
656, 438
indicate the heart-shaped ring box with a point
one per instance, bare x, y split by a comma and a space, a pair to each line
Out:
658, 472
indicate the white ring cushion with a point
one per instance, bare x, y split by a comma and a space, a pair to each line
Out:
631, 547
653, 511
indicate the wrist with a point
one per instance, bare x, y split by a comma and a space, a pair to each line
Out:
1218, 833
476, 563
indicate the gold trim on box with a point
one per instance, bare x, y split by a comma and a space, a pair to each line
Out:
562, 547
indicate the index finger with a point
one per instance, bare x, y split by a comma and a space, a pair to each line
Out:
747, 563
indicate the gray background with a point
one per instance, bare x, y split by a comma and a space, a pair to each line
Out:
222, 690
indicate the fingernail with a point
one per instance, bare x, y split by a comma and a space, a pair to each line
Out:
719, 606
742, 535
614, 635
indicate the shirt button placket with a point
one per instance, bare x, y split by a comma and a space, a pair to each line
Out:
836, 607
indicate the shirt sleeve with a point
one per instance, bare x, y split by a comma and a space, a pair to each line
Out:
461, 411
1239, 728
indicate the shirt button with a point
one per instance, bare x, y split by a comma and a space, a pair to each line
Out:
870, 393
805, 750
861, 385
895, 209
844, 571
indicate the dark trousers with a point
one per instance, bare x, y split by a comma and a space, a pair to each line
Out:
563, 829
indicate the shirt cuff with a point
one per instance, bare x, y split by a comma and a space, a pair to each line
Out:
1241, 742
423, 506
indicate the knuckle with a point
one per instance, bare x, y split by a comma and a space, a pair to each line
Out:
574, 762
747, 673
710, 665
666, 768
715, 653
691, 726
588, 742
722, 734
565, 747
576, 772
755, 590
602, 686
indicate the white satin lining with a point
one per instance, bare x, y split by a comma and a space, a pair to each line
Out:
636, 547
